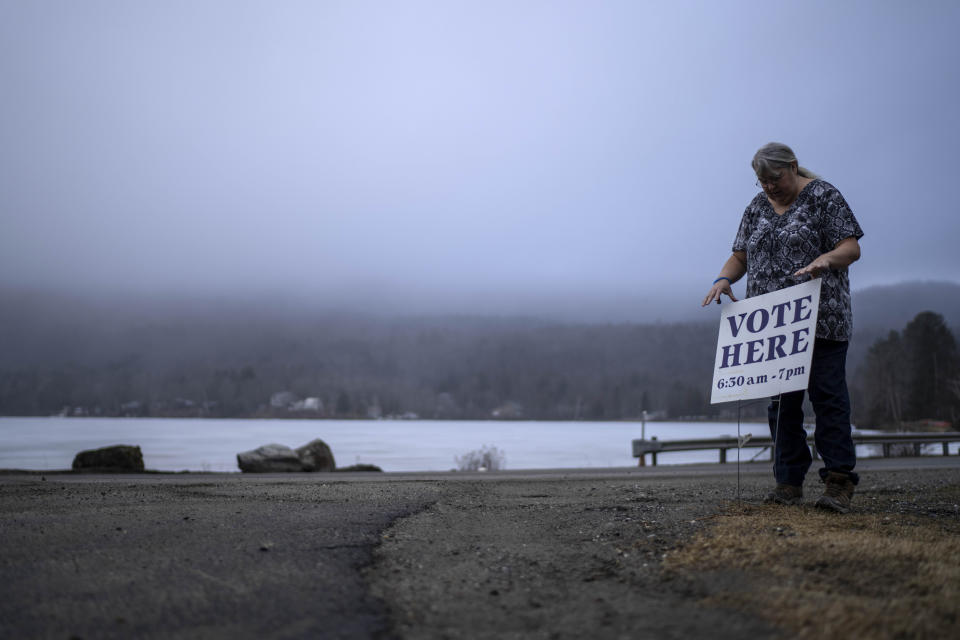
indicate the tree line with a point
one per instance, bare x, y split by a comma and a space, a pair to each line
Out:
361, 367
338, 366
910, 375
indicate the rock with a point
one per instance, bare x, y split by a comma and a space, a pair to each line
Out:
360, 467
269, 458
316, 456
119, 457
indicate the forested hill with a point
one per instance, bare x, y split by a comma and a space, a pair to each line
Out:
893, 306
879, 310
356, 366
236, 360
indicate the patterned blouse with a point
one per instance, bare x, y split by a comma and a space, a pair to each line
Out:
779, 245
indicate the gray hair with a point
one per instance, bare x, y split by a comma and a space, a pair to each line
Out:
773, 157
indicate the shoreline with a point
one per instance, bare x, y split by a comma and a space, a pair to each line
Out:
749, 466
175, 445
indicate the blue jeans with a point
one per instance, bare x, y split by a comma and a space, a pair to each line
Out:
831, 404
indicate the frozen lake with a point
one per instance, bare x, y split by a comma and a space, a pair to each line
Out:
173, 444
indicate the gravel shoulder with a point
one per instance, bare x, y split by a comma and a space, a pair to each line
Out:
579, 558
540, 554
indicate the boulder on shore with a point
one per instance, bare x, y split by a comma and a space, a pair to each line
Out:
316, 456
117, 458
270, 458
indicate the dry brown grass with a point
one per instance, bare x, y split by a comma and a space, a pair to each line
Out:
814, 574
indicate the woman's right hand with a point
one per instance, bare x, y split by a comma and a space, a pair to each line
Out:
734, 269
720, 287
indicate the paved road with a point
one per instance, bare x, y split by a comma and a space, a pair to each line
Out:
193, 556
239, 556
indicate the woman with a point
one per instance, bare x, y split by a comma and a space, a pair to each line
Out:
799, 227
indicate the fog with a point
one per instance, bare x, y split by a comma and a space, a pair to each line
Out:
560, 159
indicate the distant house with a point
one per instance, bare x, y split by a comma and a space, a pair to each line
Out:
283, 399
132, 408
307, 404
508, 411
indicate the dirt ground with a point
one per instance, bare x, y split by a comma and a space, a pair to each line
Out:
545, 559
676, 558
891, 569
614, 554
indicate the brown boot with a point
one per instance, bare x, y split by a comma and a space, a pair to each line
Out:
785, 494
838, 492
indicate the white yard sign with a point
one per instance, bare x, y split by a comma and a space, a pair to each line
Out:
766, 343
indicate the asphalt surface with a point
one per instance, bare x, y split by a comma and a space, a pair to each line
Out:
553, 554
189, 556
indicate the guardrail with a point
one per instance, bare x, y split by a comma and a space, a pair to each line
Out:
886, 440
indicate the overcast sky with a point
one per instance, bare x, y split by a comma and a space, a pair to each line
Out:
543, 157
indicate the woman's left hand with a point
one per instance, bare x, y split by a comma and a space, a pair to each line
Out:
843, 255
815, 268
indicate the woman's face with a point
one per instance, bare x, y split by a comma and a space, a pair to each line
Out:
782, 185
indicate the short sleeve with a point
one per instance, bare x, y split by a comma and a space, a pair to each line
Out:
743, 233
838, 221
